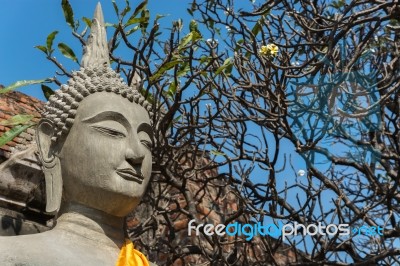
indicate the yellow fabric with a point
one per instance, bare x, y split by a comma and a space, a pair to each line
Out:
129, 256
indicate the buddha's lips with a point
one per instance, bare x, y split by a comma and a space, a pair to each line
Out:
130, 174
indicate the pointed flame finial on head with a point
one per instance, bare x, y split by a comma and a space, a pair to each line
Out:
95, 53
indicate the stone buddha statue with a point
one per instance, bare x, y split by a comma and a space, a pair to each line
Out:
94, 145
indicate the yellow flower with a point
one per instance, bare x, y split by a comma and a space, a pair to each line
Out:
269, 50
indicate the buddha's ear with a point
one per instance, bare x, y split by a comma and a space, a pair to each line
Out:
50, 165
44, 132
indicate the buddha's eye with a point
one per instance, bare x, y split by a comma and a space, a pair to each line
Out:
109, 131
110, 128
146, 143
145, 139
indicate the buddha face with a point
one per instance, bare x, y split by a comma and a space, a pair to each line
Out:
106, 159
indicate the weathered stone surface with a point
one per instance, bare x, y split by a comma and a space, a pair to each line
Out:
15, 223
22, 180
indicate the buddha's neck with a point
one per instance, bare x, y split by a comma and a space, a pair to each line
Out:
91, 224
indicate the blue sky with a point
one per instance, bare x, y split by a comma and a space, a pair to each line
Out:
26, 23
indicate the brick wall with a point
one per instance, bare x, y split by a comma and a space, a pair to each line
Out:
14, 103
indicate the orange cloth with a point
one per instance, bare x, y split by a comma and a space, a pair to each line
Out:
129, 256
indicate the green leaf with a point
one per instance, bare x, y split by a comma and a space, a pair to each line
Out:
192, 8
16, 120
178, 24
171, 90
22, 83
134, 21
215, 152
185, 68
129, 32
107, 24
12, 133
68, 13
185, 40
143, 19
205, 59
227, 63
239, 44
50, 39
146, 17
126, 9
115, 7
192, 36
47, 91
338, 4
158, 16
139, 8
256, 29
87, 21
177, 118
164, 68
211, 23
67, 52
41, 48
193, 26
228, 69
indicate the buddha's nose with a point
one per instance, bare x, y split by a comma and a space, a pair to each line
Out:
134, 156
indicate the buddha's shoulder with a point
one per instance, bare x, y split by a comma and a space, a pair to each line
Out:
42, 250
24, 242
28, 250
21, 250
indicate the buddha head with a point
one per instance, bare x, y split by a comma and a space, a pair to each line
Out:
95, 136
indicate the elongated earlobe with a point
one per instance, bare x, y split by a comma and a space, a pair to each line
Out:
44, 134
50, 165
